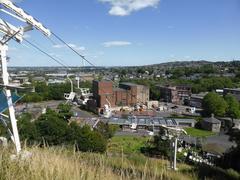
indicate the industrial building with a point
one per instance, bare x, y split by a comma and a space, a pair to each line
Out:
135, 93
127, 94
146, 122
196, 100
175, 94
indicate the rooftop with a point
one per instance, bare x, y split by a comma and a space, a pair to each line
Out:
149, 121
232, 89
118, 89
130, 84
200, 95
102, 81
212, 120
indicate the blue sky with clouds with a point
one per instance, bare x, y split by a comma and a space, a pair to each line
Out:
131, 32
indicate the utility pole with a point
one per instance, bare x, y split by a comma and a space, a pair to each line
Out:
175, 154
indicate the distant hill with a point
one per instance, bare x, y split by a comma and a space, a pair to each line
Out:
233, 63
182, 64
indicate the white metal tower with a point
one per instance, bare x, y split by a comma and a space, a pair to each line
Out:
12, 32
173, 134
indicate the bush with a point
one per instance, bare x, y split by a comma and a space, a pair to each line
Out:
52, 129
107, 130
88, 140
64, 111
233, 174
46, 92
27, 129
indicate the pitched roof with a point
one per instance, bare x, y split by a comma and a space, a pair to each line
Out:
212, 120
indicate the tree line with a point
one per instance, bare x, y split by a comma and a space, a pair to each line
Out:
54, 129
221, 106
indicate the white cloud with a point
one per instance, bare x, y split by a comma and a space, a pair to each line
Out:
26, 36
126, 7
58, 46
116, 43
74, 46
79, 48
54, 54
16, 1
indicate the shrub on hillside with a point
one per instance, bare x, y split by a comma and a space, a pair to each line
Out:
53, 129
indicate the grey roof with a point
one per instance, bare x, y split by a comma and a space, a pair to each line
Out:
130, 84
212, 120
144, 120
232, 89
103, 80
118, 89
199, 96
185, 120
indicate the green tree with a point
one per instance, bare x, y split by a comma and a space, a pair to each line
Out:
87, 140
160, 145
154, 93
65, 111
27, 129
107, 130
32, 97
233, 108
231, 159
214, 104
51, 128
56, 91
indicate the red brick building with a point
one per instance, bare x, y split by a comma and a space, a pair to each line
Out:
135, 93
103, 93
175, 94
128, 94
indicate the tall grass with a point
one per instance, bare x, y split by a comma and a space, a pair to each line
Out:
59, 163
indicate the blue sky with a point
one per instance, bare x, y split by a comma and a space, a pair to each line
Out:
131, 32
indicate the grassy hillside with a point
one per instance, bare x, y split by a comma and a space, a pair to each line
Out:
126, 144
59, 163
199, 132
122, 160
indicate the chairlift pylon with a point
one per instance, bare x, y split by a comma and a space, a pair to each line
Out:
16, 33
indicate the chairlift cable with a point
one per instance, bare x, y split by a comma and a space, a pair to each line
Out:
76, 52
47, 54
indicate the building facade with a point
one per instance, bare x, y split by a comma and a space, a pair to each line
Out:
175, 94
135, 93
211, 124
127, 94
196, 100
103, 93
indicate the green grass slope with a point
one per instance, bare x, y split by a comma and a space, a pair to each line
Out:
59, 163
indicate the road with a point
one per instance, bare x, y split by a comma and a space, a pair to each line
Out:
81, 113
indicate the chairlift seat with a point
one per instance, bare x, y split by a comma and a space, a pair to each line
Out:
3, 100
